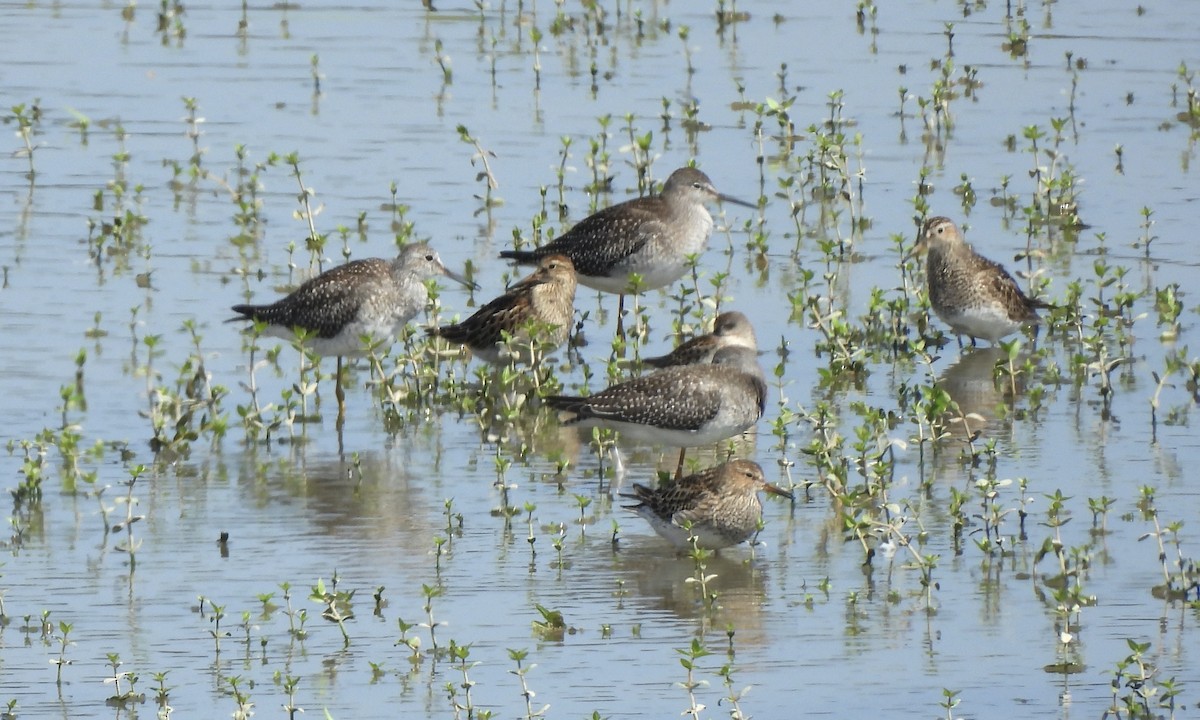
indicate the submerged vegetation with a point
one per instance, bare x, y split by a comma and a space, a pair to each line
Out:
928, 476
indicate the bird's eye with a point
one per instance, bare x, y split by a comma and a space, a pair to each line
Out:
429, 257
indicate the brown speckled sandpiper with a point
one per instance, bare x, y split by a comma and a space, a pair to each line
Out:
973, 295
373, 297
721, 503
542, 303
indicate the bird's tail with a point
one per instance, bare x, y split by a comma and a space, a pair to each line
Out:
523, 257
244, 313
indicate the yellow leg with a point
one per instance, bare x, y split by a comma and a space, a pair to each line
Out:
679, 468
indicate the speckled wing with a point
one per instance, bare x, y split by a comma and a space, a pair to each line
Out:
698, 350
689, 499
600, 242
324, 304
682, 398
506, 313
1006, 291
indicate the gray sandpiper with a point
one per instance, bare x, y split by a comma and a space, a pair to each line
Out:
372, 297
684, 406
651, 237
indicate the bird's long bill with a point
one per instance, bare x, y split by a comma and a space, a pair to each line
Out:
918, 247
459, 278
776, 490
735, 201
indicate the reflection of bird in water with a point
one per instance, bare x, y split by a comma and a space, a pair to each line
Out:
973, 295
971, 382
666, 581
720, 505
730, 329
540, 307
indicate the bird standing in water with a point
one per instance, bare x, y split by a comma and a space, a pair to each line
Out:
685, 406
651, 237
370, 297
730, 329
973, 295
720, 505
542, 304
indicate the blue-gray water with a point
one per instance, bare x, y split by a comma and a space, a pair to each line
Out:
299, 511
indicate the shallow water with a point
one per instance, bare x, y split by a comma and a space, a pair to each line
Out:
811, 625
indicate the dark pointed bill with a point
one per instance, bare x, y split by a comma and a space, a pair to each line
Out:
728, 199
459, 278
776, 490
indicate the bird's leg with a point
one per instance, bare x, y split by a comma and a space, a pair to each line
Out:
340, 393
679, 468
621, 316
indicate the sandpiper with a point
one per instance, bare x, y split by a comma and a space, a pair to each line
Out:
973, 295
538, 309
730, 329
651, 237
369, 297
721, 505
685, 406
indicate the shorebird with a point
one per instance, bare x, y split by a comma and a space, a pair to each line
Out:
720, 503
730, 329
684, 406
973, 295
369, 297
538, 308
651, 237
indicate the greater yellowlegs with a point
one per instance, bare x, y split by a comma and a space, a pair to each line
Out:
370, 297
651, 237
685, 406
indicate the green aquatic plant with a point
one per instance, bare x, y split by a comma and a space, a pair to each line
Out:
688, 659
412, 643
1138, 692
459, 654
289, 683
430, 592
28, 118
131, 544
127, 697
700, 577
522, 671
485, 174
553, 625
296, 617
338, 607
162, 693
64, 641
1181, 577
950, 700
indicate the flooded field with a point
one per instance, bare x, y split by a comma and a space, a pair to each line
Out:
976, 532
